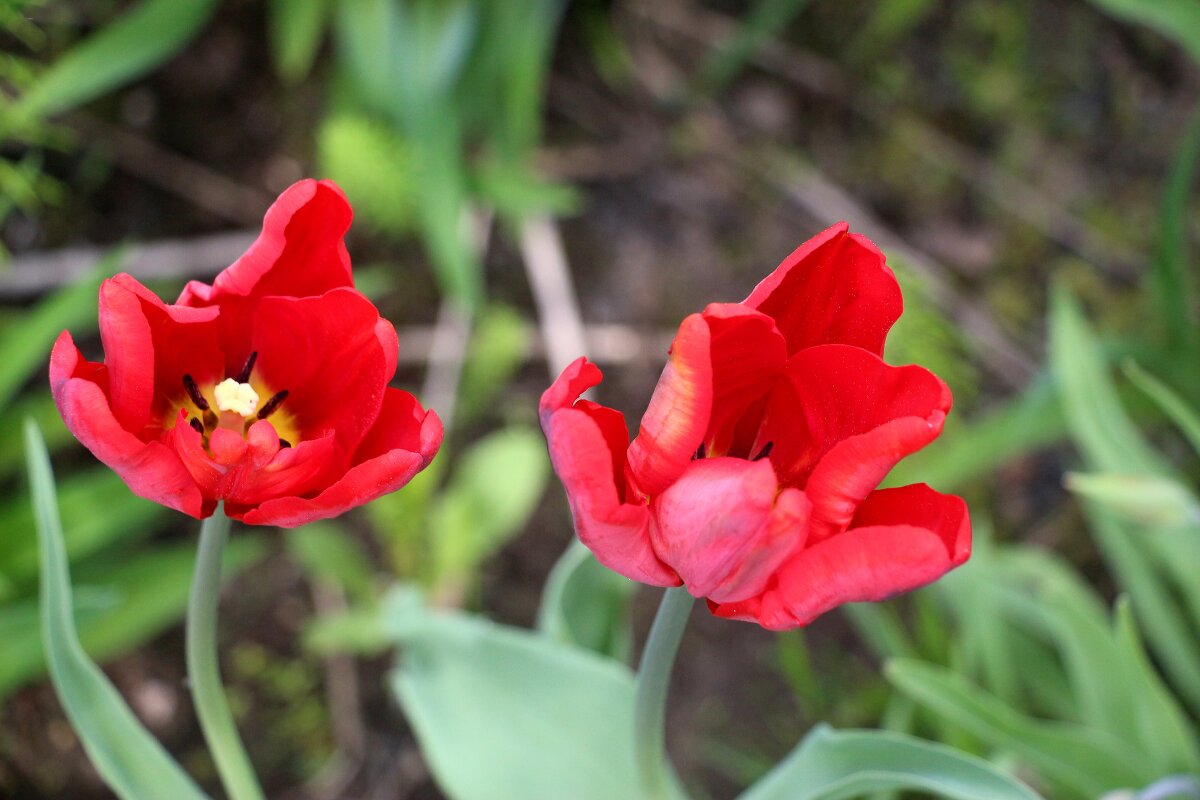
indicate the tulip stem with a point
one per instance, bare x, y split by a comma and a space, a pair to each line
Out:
650, 702
204, 672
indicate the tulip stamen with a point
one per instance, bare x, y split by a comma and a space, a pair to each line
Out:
271, 405
189, 385
284, 443
197, 426
766, 451
247, 368
701, 452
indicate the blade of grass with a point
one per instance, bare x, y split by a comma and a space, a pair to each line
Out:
1171, 277
118, 53
1171, 404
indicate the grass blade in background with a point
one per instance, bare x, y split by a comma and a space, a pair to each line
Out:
1078, 761
296, 31
1177, 20
122, 51
764, 22
1110, 442
1172, 278
1168, 401
73, 307
1095, 418
839, 765
129, 759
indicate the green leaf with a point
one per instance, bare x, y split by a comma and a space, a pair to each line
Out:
1167, 628
838, 765
296, 29
881, 629
133, 596
496, 352
117, 54
1171, 404
128, 758
40, 407
1171, 277
72, 307
1141, 499
503, 712
586, 604
1081, 760
376, 168
126, 516
492, 493
1160, 723
328, 552
1177, 20
966, 452
1092, 409
765, 20
1045, 596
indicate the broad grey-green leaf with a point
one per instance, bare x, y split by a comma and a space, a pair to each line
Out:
503, 712
130, 597
586, 604
130, 760
839, 765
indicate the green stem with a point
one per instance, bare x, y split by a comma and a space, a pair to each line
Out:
204, 672
653, 679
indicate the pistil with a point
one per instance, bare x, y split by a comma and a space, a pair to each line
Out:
236, 401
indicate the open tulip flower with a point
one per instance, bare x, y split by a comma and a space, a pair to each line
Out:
752, 480
267, 390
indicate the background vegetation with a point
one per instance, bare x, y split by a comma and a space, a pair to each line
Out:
537, 179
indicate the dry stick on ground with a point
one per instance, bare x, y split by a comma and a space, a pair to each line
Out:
563, 335
817, 196
202, 257
822, 77
452, 333
203, 187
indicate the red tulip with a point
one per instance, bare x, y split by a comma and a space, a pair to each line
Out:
753, 477
266, 390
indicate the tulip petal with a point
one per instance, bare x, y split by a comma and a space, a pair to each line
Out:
902, 539
834, 289
723, 364
300, 252
723, 528
150, 469
840, 420
398, 446
748, 355
587, 445
327, 352
149, 346
676, 419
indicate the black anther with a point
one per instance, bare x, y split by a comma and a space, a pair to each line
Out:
196, 425
284, 443
269, 408
700, 452
244, 375
193, 391
766, 451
